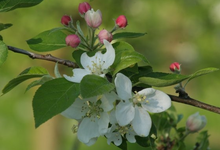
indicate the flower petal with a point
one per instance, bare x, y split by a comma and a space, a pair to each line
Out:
87, 61
113, 120
123, 86
87, 130
114, 137
141, 122
157, 101
109, 56
103, 123
124, 113
91, 141
130, 136
107, 101
78, 74
77, 110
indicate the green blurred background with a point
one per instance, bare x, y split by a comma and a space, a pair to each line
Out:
187, 31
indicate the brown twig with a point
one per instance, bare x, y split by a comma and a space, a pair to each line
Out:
47, 57
184, 98
195, 103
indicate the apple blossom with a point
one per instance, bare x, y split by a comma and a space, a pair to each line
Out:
175, 67
93, 116
72, 40
116, 132
93, 18
195, 122
65, 20
105, 35
97, 64
132, 109
84, 7
121, 21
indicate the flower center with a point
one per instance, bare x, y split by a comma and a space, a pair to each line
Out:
96, 67
123, 130
138, 98
74, 128
94, 110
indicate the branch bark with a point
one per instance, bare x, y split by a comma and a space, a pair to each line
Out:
47, 57
195, 103
183, 98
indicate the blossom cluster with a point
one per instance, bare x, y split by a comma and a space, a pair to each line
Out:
93, 20
118, 114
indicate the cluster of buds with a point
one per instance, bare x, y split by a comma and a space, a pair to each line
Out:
93, 20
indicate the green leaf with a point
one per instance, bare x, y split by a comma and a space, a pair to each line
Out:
121, 47
142, 72
123, 145
8, 5
41, 81
200, 73
52, 98
76, 56
93, 85
79, 30
57, 72
126, 56
160, 79
3, 52
59, 29
162, 121
180, 117
128, 59
32, 72
127, 35
4, 26
48, 41
179, 145
203, 140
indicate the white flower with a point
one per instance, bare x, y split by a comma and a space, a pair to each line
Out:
195, 122
97, 64
93, 18
92, 115
133, 107
116, 132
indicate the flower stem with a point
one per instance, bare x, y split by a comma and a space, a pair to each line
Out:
92, 40
114, 29
184, 136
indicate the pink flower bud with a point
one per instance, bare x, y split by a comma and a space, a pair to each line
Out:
175, 67
93, 19
65, 20
84, 7
72, 40
105, 35
121, 21
195, 122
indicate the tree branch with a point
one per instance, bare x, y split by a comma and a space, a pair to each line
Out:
47, 57
182, 98
195, 103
